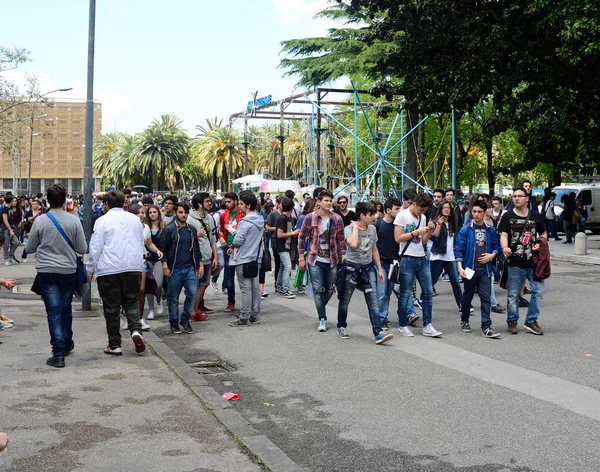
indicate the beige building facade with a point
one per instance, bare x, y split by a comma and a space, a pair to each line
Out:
58, 149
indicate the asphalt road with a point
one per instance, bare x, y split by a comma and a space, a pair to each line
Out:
461, 402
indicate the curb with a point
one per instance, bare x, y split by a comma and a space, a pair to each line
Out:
583, 260
258, 444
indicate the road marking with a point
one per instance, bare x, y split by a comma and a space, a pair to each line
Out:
571, 396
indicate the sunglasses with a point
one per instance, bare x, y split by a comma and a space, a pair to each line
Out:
343, 203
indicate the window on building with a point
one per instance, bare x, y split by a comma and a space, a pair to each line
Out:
36, 186
76, 185
7, 184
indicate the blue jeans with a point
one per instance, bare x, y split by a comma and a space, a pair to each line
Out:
483, 283
384, 292
229, 279
187, 279
370, 298
410, 308
411, 268
285, 272
57, 293
322, 277
452, 271
516, 277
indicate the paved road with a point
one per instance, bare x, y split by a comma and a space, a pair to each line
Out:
461, 402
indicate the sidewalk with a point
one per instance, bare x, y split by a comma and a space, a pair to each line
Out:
566, 252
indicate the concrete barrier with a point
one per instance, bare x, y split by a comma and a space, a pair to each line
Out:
581, 248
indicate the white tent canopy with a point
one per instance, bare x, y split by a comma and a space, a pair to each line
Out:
252, 179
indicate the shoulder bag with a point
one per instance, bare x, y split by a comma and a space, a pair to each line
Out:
81, 278
250, 269
394, 272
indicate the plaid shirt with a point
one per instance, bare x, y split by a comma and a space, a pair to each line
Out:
310, 229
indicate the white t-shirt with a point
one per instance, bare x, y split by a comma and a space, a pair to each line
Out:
410, 224
449, 256
549, 207
147, 232
323, 246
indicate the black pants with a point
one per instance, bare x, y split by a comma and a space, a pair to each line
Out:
277, 264
116, 291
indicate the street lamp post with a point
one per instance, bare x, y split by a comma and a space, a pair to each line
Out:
31, 134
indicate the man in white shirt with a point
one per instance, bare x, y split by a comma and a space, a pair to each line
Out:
116, 256
412, 233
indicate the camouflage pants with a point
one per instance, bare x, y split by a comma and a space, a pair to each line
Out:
116, 291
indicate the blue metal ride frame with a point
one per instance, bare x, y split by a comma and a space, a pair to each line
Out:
382, 163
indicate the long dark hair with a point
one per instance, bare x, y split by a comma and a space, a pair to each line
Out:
452, 227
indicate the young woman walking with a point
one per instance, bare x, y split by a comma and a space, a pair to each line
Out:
155, 224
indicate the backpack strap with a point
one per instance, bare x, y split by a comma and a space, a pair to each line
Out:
60, 230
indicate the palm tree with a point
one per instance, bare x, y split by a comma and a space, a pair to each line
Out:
163, 148
294, 147
216, 151
104, 155
126, 159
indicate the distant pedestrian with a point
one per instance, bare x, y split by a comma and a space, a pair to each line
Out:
347, 215
56, 266
116, 257
285, 236
228, 224
9, 230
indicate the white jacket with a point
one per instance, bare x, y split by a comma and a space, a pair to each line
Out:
117, 244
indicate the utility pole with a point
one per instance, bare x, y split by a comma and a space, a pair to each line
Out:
88, 180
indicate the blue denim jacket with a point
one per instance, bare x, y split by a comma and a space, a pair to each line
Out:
464, 246
440, 243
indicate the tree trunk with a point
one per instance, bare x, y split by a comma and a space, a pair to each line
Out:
214, 179
154, 178
490, 169
556, 175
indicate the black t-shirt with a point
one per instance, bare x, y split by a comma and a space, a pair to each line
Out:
8, 211
431, 213
284, 223
386, 244
480, 240
185, 255
351, 216
522, 232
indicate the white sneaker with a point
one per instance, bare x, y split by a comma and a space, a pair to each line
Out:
125, 326
145, 326
23, 260
404, 331
215, 287
159, 308
430, 331
7, 263
150, 315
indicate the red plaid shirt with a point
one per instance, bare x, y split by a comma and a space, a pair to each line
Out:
310, 229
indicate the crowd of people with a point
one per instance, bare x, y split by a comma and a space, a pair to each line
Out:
147, 249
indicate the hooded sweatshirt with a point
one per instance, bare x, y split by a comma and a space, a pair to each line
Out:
206, 242
248, 239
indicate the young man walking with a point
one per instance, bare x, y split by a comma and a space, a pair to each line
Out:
411, 230
283, 245
247, 247
475, 247
182, 264
116, 257
56, 266
228, 223
9, 230
271, 227
362, 269
204, 225
519, 229
325, 232
388, 252
168, 215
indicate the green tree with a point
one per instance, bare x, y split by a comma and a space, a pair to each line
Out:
163, 148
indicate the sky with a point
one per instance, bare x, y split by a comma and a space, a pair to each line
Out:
195, 59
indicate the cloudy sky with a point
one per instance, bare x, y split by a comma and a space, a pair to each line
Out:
195, 59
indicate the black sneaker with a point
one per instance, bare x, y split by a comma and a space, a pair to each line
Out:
175, 329
186, 327
385, 326
70, 348
56, 361
465, 327
412, 320
523, 303
254, 321
533, 328
489, 333
239, 323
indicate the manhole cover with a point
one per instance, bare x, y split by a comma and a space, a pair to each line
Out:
210, 367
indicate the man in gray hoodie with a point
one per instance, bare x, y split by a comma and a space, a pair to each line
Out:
247, 247
204, 225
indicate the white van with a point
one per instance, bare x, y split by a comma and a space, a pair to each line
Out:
590, 197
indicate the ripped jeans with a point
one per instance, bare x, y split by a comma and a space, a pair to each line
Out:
322, 277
